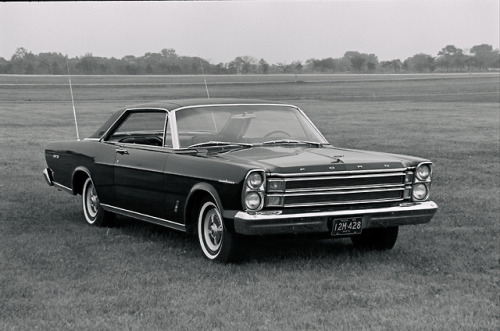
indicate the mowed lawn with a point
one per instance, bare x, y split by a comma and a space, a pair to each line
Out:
58, 273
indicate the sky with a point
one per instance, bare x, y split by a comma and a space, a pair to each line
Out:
278, 31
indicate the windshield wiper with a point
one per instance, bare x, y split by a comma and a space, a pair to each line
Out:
291, 141
219, 143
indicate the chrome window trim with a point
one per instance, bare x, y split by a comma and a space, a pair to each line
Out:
173, 125
126, 112
173, 130
232, 105
165, 129
326, 142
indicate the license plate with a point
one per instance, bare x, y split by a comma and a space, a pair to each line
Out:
346, 226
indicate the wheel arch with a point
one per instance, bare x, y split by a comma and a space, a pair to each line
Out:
193, 204
79, 176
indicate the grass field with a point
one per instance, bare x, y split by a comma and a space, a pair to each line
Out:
58, 273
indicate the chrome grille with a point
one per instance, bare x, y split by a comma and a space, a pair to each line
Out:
345, 188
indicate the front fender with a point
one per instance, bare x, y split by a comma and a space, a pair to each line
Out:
191, 206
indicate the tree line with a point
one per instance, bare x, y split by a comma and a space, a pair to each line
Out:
167, 62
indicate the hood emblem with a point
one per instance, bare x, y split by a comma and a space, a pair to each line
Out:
360, 167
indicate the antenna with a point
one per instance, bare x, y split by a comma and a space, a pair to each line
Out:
72, 100
204, 79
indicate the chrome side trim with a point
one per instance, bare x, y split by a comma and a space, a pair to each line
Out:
63, 188
225, 181
355, 172
402, 208
118, 165
144, 217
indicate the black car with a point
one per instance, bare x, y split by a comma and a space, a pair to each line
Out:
226, 168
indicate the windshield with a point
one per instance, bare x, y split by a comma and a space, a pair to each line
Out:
244, 124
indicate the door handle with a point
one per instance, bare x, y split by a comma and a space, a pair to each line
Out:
122, 151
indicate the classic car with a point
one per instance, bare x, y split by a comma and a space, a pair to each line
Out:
224, 169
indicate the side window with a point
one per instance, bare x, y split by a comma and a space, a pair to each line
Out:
145, 128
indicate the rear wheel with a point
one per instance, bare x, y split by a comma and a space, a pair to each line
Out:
92, 210
376, 239
216, 242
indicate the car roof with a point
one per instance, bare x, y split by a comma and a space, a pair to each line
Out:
174, 104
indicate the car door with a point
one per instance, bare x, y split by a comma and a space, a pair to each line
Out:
140, 163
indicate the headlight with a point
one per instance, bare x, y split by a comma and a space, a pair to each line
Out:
419, 191
254, 188
254, 180
423, 172
252, 200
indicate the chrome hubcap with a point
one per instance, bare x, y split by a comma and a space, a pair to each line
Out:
213, 230
92, 201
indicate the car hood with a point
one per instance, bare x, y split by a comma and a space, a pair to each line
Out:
303, 159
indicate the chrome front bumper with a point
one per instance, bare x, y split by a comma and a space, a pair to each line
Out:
319, 221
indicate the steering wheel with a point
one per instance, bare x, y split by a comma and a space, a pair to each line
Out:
277, 131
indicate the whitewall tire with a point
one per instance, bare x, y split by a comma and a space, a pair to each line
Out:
92, 210
216, 242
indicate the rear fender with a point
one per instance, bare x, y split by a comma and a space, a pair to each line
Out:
78, 179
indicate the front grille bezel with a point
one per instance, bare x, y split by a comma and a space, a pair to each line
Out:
333, 189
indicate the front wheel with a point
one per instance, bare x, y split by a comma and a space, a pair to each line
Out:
216, 242
92, 210
377, 239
